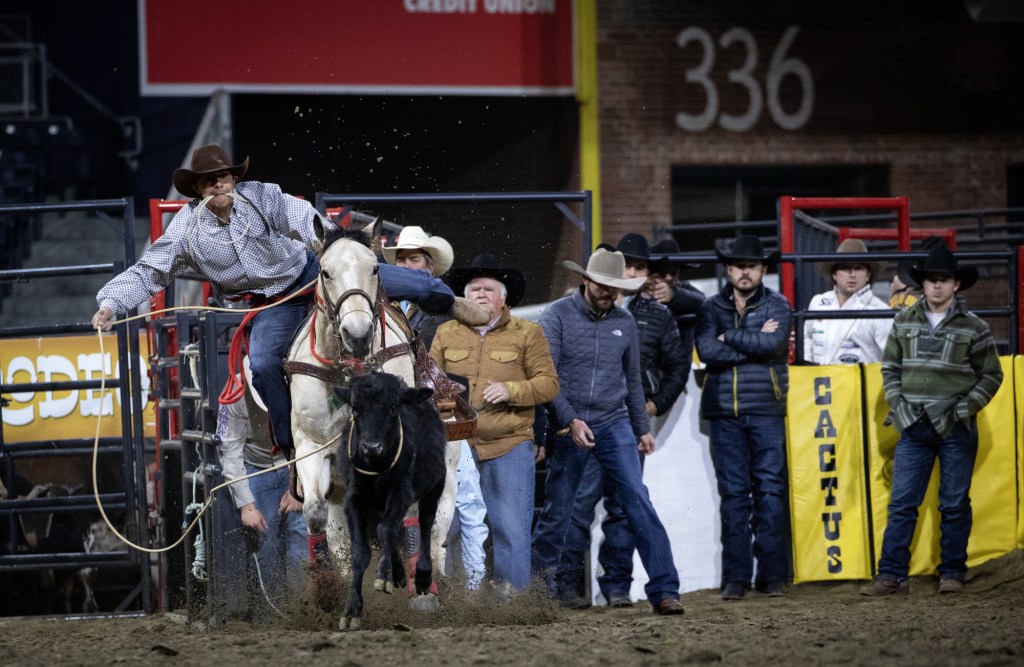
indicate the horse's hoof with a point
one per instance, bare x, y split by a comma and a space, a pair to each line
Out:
383, 586
350, 623
429, 602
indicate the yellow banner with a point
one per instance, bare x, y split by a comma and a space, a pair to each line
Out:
827, 497
58, 415
993, 489
1018, 384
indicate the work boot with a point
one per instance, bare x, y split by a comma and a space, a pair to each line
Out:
470, 313
951, 586
776, 589
734, 590
620, 600
669, 607
882, 586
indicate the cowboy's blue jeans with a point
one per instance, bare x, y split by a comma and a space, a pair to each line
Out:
749, 457
616, 451
507, 483
283, 547
272, 330
916, 451
617, 545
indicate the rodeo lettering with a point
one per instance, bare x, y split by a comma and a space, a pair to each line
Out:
825, 429
59, 368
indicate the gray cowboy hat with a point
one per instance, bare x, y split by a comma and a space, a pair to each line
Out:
487, 266
851, 245
940, 260
903, 268
207, 159
747, 247
606, 268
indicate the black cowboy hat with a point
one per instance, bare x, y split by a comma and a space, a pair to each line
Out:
207, 159
660, 260
634, 246
487, 265
605, 246
747, 247
903, 268
941, 260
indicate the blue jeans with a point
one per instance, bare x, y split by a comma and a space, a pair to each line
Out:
916, 451
508, 483
469, 519
616, 452
283, 547
272, 331
749, 456
617, 546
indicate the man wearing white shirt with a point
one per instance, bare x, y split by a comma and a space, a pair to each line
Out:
847, 341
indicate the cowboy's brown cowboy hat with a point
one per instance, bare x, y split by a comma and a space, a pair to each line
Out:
747, 247
943, 262
851, 245
208, 159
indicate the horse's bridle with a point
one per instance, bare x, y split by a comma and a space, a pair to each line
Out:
331, 309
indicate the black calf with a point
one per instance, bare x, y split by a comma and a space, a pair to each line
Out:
392, 456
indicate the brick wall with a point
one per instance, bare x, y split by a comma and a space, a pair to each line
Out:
921, 89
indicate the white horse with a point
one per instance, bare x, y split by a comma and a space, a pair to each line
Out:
349, 328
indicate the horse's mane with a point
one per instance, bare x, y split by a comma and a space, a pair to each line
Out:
360, 235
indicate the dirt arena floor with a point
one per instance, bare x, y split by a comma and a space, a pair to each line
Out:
816, 624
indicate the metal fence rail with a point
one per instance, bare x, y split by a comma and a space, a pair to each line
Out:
129, 503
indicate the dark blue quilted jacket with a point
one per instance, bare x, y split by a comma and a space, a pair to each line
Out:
747, 373
598, 364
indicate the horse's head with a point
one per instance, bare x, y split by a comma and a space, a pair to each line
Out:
348, 286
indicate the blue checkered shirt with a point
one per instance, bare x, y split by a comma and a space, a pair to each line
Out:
260, 254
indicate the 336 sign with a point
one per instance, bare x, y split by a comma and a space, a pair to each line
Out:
779, 67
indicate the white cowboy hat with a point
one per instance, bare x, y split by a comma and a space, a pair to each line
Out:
248, 381
606, 268
414, 238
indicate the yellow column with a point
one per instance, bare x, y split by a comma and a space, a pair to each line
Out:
586, 95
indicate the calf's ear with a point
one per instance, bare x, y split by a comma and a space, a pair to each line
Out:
416, 395
344, 393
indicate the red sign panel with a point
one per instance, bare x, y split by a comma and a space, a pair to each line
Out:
486, 47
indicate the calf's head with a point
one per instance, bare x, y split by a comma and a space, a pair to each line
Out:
376, 401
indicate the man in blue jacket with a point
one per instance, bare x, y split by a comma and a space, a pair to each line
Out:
663, 368
742, 334
601, 411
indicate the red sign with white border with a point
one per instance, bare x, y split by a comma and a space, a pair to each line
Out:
466, 47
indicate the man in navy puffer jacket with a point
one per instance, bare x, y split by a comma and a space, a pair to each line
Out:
742, 334
601, 411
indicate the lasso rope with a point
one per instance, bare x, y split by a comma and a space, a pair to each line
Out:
205, 506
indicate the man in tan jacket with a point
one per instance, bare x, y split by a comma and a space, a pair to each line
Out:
509, 368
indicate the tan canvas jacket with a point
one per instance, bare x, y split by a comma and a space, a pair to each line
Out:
515, 352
